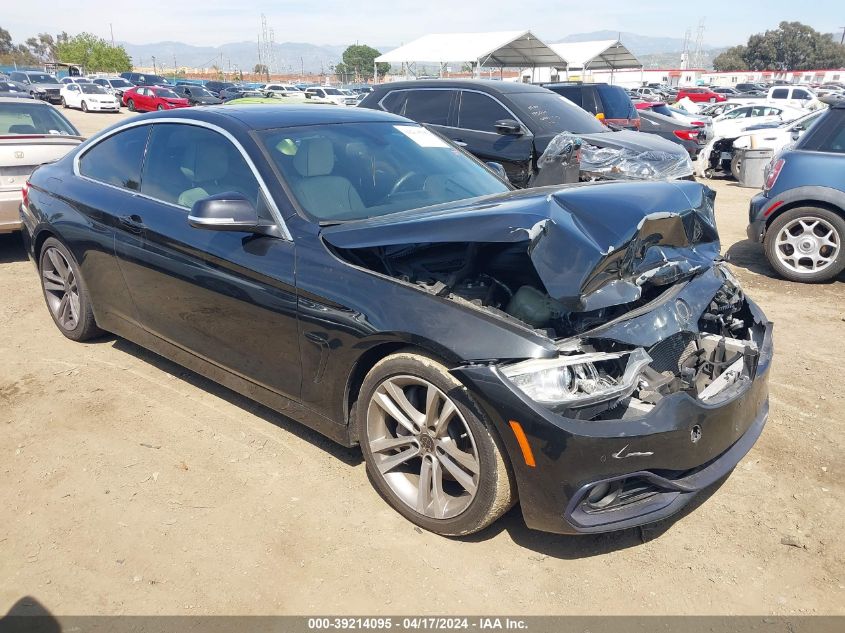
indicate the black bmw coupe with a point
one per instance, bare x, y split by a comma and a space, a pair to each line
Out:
581, 350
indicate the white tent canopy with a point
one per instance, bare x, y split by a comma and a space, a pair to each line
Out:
500, 49
597, 55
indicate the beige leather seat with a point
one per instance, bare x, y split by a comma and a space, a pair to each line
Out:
205, 165
322, 194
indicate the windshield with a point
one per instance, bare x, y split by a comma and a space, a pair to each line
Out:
363, 170
332, 91
91, 89
164, 93
120, 83
32, 118
42, 78
616, 104
663, 109
552, 113
197, 91
5, 85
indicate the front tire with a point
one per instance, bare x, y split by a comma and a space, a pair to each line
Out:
64, 103
806, 244
131, 105
159, 107
84, 107
65, 292
429, 450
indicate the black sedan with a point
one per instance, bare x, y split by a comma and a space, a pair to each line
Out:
580, 350
196, 95
529, 130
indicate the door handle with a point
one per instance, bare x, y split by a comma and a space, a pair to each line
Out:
133, 222
459, 143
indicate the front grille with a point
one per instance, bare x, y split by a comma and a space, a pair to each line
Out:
669, 354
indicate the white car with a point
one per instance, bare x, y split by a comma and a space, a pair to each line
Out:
332, 94
88, 97
280, 90
75, 80
733, 122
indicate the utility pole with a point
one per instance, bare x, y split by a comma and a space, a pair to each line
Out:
154, 65
842, 39
111, 30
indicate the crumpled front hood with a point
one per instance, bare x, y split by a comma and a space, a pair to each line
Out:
593, 246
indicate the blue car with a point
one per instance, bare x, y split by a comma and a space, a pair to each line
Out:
800, 214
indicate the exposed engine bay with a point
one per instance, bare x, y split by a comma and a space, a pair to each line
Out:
571, 273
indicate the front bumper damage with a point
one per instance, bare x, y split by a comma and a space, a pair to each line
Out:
604, 474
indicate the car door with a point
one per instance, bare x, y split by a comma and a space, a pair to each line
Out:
226, 297
105, 191
476, 127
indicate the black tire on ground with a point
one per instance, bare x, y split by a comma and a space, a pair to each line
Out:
86, 327
496, 489
834, 220
159, 107
736, 165
131, 105
64, 103
84, 107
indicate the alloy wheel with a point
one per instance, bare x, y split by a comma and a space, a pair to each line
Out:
807, 245
422, 447
60, 288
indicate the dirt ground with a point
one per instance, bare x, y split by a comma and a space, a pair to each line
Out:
129, 485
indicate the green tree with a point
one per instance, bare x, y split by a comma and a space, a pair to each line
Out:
791, 46
94, 53
6, 46
43, 47
358, 61
731, 59
261, 69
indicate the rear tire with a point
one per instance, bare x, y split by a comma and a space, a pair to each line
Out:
159, 107
65, 292
455, 479
736, 166
806, 244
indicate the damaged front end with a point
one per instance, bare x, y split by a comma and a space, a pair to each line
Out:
658, 385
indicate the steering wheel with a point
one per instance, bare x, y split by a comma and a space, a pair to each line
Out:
402, 180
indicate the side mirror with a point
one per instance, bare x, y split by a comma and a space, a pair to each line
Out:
499, 169
508, 127
228, 211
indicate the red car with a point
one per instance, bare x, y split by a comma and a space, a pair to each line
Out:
700, 95
147, 98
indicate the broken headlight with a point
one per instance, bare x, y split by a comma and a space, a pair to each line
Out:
579, 379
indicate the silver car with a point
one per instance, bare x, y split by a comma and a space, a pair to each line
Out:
31, 133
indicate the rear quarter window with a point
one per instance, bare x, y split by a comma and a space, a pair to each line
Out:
428, 106
780, 93
117, 159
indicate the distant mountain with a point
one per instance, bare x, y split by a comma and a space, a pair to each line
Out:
289, 57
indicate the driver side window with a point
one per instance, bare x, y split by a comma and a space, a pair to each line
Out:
186, 163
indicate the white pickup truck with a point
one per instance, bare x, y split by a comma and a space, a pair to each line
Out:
794, 96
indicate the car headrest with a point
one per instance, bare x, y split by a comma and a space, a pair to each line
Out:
314, 158
22, 129
204, 161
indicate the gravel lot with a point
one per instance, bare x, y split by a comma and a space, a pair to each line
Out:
131, 486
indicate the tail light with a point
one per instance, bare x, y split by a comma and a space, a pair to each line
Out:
699, 123
25, 194
686, 135
772, 174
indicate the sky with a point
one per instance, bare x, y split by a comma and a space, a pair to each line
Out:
393, 22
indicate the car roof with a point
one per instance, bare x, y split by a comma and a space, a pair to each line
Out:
266, 117
486, 85
28, 101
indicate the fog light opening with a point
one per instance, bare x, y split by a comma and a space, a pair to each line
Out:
603, 494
